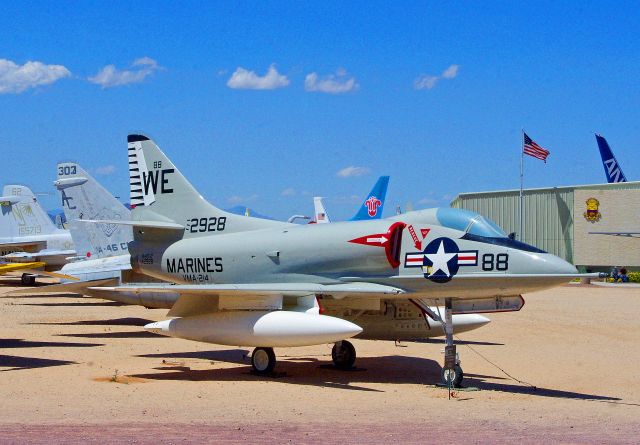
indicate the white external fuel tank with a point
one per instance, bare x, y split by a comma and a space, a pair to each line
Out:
258, 328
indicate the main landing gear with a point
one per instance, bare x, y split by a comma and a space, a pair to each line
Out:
27, 279
263, 360
343, 354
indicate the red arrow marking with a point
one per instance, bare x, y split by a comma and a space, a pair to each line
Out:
378, 239
416, 241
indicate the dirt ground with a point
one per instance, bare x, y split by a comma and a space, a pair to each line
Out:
563, 369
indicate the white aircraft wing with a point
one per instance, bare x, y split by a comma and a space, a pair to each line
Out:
262, 289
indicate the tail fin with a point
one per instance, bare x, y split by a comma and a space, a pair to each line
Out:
159, 192
611, 167
321, 214
84, 198
22, 215
374, 202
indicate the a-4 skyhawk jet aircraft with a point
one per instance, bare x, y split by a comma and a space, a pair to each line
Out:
250, 282
28, 238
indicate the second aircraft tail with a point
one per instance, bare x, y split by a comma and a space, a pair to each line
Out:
84, 198
611, 167
373, 204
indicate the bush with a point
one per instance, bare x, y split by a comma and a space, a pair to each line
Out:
634, 277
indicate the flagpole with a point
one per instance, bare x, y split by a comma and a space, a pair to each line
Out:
521, 234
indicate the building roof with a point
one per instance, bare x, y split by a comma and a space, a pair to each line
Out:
605, 186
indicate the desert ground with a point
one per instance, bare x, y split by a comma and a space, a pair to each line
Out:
563, 369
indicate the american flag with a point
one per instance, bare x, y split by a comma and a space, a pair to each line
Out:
532, 149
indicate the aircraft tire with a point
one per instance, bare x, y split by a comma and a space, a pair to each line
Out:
344, 356
457, 377
263, 360
28, 279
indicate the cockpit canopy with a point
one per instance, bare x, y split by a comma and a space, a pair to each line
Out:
478, 228
469, 222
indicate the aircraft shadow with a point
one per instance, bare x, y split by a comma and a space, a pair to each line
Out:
223, 355
134, 334
534, 390
20, 343
458, 342
41, 295
106, 303
392, 369
306, 371
16, 363
128, 321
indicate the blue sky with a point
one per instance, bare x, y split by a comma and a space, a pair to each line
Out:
434, 94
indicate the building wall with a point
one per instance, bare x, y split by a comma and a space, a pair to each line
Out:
547, 216
554, 221
618, 210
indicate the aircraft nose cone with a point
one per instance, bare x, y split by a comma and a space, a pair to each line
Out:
557, 265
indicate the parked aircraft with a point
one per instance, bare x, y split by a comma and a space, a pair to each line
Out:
102, 248
371, 207
106, 256
244, 281
614, 174
322, 217
28, 238
611, 166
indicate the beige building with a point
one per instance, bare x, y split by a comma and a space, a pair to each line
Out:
560, 219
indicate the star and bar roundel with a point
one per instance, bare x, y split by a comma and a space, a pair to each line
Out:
441, 259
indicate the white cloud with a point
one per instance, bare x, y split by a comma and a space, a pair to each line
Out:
450, 72
18, 78
349, 172
109, 76
106, 170
249, 80
236, 199
428, 201
427, 82
290, 191
337, 83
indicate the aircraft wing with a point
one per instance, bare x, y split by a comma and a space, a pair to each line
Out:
199, 298
262, 289
42, 255
11, 267
33, 268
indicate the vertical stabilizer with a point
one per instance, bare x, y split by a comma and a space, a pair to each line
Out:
373, 204
160, 193
322, 217
84, 198
611, 167
21, 215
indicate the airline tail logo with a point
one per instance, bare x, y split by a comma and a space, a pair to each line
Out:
615, 174
372, 205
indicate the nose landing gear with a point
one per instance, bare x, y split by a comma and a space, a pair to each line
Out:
451, 374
